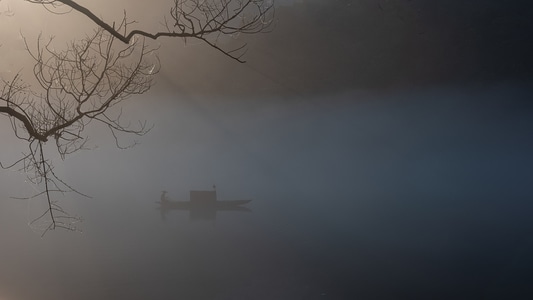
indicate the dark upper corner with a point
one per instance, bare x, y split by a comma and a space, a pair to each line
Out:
325, 46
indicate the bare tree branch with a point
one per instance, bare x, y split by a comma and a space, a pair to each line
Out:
78, 85
89, 79
205, 20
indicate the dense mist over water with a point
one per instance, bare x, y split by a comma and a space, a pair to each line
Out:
385, 145
367, 195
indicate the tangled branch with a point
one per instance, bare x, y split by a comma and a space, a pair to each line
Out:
85, 82
205, 20
76, 86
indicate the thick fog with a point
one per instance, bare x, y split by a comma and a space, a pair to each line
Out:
367, 181
403, 193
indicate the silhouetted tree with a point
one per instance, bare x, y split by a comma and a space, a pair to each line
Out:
84, 82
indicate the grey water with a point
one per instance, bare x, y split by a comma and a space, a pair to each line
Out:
414, 194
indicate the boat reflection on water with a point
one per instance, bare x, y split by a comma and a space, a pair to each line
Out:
203, 205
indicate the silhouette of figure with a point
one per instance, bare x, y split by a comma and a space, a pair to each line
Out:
164, 197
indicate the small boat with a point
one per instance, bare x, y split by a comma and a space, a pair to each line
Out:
202, 204
217, 205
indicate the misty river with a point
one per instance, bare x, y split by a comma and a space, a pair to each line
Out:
386, 147
392, 196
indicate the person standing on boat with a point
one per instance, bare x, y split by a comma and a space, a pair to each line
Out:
164, 197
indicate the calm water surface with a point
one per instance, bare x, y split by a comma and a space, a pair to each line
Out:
421, 194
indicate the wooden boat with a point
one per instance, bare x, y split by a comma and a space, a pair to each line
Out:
202, 204
217, 205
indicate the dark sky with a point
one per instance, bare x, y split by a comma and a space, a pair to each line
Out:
324, 46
